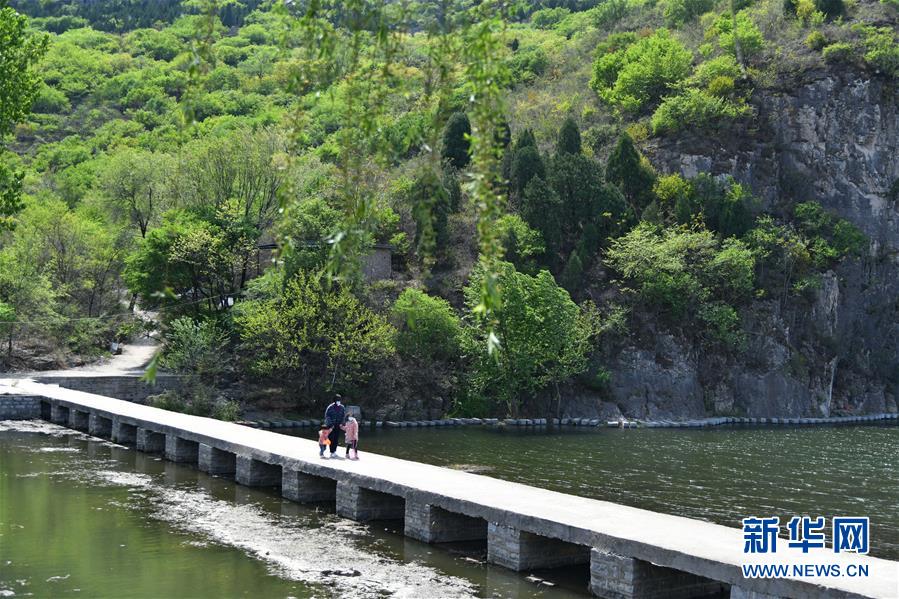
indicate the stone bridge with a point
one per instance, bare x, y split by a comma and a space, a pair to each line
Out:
632, 553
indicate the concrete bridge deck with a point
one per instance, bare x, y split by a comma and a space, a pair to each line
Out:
631, 552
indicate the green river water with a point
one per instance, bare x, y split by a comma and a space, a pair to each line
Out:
84, 518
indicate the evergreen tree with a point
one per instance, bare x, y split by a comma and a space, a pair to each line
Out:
577, 180
541, 208
626, 170
526, 164
525, 138
452, 187
455, 140
573, 273
431, 205
569, 138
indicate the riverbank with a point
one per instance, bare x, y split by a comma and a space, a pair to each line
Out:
277, 423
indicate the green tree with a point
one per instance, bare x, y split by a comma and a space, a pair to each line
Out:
455, 140
526, 165
569, 138
678, 270
431, 205
10, 193
522, 244
545, 339
427, 328
136, 185
573, 273
631, 173
542, 209
22, 51
577, 181
305, 228
303, 333
642, 72
185, 261
7, 326
77, 249
198, 349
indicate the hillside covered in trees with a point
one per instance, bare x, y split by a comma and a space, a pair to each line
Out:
661, 208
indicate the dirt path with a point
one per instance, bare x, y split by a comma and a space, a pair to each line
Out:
133, 359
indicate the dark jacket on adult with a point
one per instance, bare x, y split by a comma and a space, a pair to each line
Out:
335, 415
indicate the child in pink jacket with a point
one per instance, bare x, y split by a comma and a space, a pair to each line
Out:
351, 432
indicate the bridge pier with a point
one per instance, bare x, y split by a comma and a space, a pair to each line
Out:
150, 441
520, 550
256, 473
59, 414
432, 524
122, 432
78, 420
99, 426
362, 505
216, 461
181, 450
741, 593
617, 577
299, 486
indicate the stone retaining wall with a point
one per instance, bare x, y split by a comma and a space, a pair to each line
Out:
585, 422
125, 387
19, 407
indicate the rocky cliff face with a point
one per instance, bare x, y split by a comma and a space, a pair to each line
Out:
832, 137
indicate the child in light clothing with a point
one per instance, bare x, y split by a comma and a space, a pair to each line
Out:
351, 432
323, 440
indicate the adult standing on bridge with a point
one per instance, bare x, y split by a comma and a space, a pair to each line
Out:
335, 416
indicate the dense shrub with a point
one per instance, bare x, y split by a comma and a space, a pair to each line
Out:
830, 237
709, 70
744, 29
837, 53
608, 13
721, 87
683, 273
195, 348
678, 12
815, 40
547, 18
642, 72
299, 331
695, 109
50, 100
521, 242
427, 328
527, 63
882, 50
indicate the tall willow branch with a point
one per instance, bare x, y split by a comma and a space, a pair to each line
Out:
486, 73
